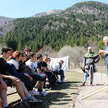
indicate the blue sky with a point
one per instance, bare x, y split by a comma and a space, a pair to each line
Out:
27, 8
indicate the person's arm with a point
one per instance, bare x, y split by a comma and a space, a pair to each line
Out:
51, 68
37, 68
7, 77
103, 51
84, 63
32, 69
96, 59
56, 68
28, 76
12, 70
31, 66
47, 70
39, 71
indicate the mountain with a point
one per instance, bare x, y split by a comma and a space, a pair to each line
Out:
53, 11
79, 25
6, 24
4, 20
50, 12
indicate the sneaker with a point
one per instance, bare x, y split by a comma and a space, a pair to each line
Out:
51, 88
58, 80
33, 101
6, 107
64, 79
43, 90
33, 92
43, 93
25, 104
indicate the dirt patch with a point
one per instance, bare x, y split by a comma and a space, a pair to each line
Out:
99, 100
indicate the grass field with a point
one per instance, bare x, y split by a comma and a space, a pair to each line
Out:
62, 97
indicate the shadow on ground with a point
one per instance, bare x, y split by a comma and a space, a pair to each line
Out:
55, 97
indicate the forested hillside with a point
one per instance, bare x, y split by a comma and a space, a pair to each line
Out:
76, 26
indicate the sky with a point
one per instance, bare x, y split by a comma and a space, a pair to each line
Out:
27, 8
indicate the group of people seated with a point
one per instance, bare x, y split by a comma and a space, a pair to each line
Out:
24, 70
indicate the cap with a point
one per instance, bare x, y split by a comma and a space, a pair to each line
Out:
89, 48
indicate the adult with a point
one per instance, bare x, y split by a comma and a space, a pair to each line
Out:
48, 72
59, 70
39, 77
13, 81
3, 94
13, 66
27, 52
89, 60
104, 53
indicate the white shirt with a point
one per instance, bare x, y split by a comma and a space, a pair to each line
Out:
49, 66
30, 64
57, 67
15, 63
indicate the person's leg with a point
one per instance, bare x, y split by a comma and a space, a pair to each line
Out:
49, 78
3, 95
22, 91
54, 78
24, 94
39, 77
85, 79
41, 80
19, 87
56, 72
26, 81
62, 74
91, 78
0, 104
40, 86
41, 83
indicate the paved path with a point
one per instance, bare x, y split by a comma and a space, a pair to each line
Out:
99, 100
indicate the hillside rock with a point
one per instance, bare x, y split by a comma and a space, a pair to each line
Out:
6, 24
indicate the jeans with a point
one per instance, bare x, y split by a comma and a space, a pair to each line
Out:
61, 73
38, 77
107, 70
91, 77
50, 78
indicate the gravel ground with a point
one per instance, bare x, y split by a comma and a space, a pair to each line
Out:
99, 100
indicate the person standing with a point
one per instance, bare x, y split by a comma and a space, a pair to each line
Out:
89, 60
104, 53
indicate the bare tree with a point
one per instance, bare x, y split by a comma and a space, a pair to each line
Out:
75, 54
47, 50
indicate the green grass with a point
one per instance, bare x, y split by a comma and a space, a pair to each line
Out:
64, 95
